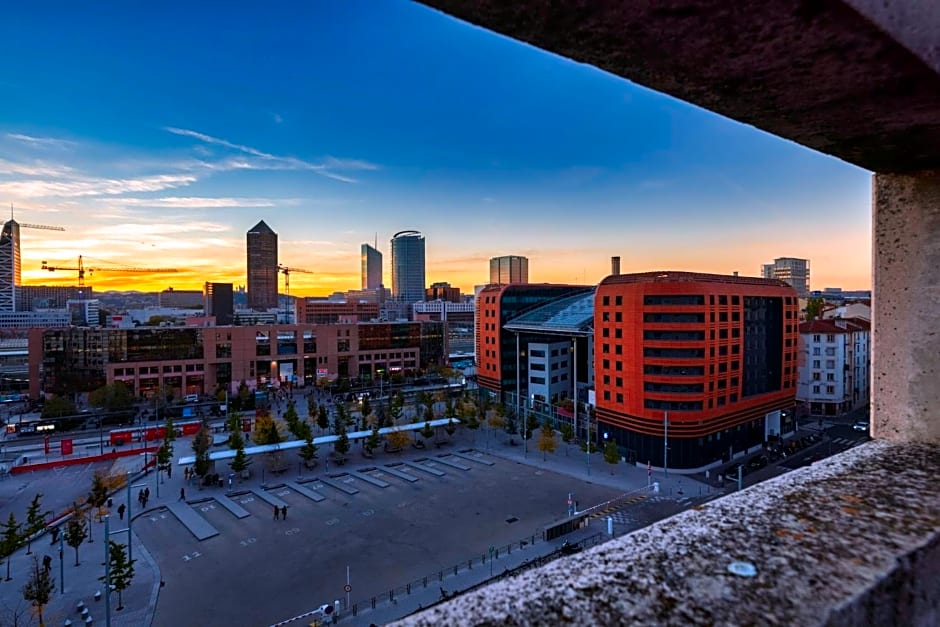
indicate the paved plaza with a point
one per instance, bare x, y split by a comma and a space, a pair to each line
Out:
394, 519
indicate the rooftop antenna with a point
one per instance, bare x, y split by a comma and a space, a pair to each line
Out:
376, 236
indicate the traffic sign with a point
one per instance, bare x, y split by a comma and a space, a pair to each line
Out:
347, 588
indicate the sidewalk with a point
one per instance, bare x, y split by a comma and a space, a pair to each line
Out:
81, 582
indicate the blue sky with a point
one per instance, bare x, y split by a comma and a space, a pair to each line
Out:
158, 134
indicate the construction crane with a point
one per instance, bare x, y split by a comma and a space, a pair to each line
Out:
286, 271
42, 227
81, 269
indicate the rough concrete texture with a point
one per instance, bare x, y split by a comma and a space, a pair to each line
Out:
906, 316
858, 86
852, 540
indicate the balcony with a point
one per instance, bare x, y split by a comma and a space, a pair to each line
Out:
851, 540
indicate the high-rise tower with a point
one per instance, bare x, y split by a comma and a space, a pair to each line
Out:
408, 266
9, 264
509, 269
262, 267
791, 270
371, 267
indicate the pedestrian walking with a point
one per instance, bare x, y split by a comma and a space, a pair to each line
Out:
276, 510
146, 495
182, 494
55, 535
121, 509
47, 562
169, 471
140, 498
284, 512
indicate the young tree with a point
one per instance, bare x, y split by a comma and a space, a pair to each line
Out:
398, 439
121, 571
241, 461
341, 446
308, 452
372, 442
76, 530
611, 455
567, 434
547, 439
10, 540
266, 430
428, 414
201, 443
396, 407
35, 521
323, 418
512, 426
427, 432
292, 420
164, 456
450, 427
169, 430
235, 438
98, 495
39, 588
365, 408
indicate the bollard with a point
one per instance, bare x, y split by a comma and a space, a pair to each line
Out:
497, 553
509, 549
373, 603
391, 595
455, 569
469, 564
408, 588
97, 595
483, 559
355, 609
440, 575
425, 582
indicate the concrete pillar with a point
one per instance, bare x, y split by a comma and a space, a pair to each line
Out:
906, 307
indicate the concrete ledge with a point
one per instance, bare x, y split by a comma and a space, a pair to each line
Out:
851, 540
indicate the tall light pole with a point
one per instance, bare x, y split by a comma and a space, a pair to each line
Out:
666, 444
574, 360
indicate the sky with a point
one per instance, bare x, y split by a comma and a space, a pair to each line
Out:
158, 134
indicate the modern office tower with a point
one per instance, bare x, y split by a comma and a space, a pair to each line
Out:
509, 269
371, 267
35, 297
220, 303
9, 265
408, 266
716, 356
262, 267
792, 271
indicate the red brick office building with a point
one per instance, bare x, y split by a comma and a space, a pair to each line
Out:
718, 353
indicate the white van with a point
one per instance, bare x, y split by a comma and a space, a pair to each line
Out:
191, 398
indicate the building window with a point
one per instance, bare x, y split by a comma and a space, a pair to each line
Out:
816, 338
619, 366
618, 333
735, 316
619, 382
605, 349
618, 300
815, 389
618, 349
618, 316
830, 352
606, 395
830, 389
619, 397
816, 351
606, 301
342, 346
605, 332
537, 380
831, 376
537, 366
830, 364
723, 334
606, 379
817, 376
830, 339
816, 363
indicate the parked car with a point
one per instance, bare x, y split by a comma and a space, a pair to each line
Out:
757, 462
861, 425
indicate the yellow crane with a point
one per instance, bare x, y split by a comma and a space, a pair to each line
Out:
286, 271
81, 269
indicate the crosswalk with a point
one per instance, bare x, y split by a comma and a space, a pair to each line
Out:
615, 508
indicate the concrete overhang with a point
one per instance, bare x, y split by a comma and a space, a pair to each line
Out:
856, 79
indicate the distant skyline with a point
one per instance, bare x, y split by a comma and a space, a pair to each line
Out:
159, 136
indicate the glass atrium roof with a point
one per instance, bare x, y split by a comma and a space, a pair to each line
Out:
571, 315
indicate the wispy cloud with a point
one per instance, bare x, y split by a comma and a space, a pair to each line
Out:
269, 161
77, 186
44, 142
191, 202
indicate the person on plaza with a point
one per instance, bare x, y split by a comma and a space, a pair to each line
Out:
121, 509
169, 471
284, 512
146, 495
47, 562
140, 498
55, 535
182, 494
276, 510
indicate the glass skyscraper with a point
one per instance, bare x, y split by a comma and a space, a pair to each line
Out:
371, 267
262, 267
408, 266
